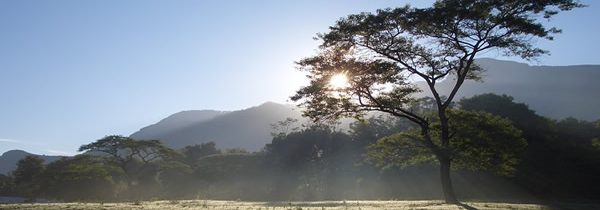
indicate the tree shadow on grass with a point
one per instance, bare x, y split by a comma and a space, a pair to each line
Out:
466, 206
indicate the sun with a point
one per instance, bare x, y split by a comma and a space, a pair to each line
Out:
339, 81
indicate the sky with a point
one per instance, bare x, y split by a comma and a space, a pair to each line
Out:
73, 71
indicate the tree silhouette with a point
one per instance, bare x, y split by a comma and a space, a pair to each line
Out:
26, 175
139, 159
7, 185
79, 178
381, 52
194, 152
596, 141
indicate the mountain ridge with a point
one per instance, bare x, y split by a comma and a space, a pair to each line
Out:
175, 121
252, 124
556, 92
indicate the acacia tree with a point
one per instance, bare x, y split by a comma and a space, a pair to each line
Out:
380, 53
134, 157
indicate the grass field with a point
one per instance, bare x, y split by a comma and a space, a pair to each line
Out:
322, 205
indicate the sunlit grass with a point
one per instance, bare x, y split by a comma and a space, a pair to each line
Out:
321, 205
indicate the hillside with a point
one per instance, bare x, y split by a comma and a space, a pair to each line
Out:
552, 91
8, 160
175, 122
249, 128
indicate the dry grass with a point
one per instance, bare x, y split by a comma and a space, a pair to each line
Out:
322, 205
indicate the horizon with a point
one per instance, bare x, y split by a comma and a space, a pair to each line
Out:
73, 72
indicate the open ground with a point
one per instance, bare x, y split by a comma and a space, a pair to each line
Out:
320, 205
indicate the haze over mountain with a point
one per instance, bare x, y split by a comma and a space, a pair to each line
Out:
249, 128
177, 121
553, 91
8, 160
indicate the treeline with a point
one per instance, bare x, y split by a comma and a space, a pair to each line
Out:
320, 162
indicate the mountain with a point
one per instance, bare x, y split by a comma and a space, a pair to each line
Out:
176, 121
249, 128
8, 160
552, 91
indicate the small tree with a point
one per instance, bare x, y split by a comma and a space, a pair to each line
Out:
26, 175
194, 152
284, 127
379, 53
7, 185
79, 178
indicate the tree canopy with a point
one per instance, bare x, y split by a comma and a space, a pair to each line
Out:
481, 141
380, 51
26, 176
139, 160
80, 178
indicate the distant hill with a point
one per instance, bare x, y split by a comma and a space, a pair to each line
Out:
175, 122
8, 160
552, 91
249, 128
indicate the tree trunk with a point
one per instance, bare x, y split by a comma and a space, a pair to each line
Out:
447, 188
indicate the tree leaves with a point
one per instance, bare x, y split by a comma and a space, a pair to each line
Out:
480, 141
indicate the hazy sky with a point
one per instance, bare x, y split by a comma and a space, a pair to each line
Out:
74, 71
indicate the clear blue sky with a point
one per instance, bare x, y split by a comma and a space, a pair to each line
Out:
74, 71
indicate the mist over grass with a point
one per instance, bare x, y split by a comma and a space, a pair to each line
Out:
317, 162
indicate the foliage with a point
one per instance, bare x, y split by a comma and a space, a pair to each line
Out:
481, 141
311, 144
319, 162
380, 52
312, 162
124, 149
28, 169
133, 155
284, 127
26, 176
7, 185
559, 151
596, 141
579, 132
236, 151
519, 113
140, 161
368, 131
80, 178
194, 152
